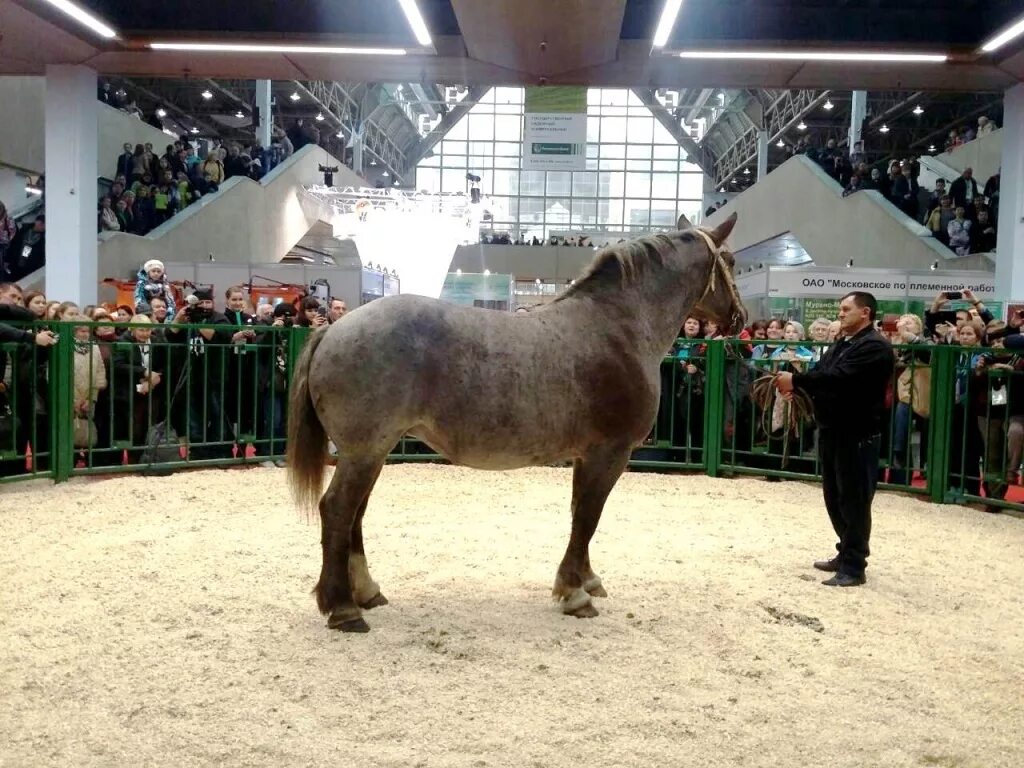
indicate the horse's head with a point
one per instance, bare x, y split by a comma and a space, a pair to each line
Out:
720, 300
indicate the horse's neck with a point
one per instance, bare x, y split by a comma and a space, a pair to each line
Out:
649, 311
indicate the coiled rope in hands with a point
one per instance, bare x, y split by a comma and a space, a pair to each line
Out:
795, 412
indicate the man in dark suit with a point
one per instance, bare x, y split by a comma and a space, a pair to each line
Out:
964, 191
848, 387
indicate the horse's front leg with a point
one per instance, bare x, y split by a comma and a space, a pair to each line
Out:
594, 476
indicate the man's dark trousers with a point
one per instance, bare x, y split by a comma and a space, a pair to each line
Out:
849, 474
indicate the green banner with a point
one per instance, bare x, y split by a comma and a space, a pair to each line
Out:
556, 98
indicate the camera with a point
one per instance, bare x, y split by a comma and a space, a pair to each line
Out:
954, 295
322, 311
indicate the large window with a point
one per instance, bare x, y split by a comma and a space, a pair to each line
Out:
637, 178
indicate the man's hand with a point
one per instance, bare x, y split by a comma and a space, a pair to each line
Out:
46, 339
240, 337
939, 300
155, 379
784, 382
969, 295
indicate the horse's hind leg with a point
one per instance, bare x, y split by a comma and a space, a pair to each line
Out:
593, 478
346, 495
365, 591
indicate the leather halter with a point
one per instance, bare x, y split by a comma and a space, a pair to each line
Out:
718, 265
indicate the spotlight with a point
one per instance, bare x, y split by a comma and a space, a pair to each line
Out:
849, 263
781, 144
295, 96
458, 272
33, 189
934, 266
487, 272
828, 104
340, 134
319, 117
746, 171
240, 114
194, 130
206, 95
161, 112
931, 147
802, 126
537, 281
918, 110
884, 128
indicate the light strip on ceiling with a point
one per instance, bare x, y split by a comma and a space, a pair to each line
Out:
271, 48
415, 19
83, 17
666, 22
902, 58
1012, 33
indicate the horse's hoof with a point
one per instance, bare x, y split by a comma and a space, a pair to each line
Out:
587, 611
597, 591
357, 624
374, 602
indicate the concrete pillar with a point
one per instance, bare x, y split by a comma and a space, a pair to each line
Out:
1010, 244
762, 154
858, 110
71, 204
266, 118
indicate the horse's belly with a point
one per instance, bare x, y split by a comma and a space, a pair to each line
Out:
489, 452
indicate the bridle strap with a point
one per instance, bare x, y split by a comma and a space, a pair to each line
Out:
717, 265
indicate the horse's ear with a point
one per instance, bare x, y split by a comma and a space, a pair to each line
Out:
722, 231
683, 223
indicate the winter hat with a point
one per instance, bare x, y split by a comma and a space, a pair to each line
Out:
153, 263
203, 294
284, 309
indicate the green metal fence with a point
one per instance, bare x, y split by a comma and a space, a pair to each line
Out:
159, 398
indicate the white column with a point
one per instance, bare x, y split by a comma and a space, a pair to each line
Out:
762, 154
71, 204
858, 110
1010, 242
266, 118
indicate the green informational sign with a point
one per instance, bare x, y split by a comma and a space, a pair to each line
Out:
815, 308
556, 98
787, 308
478, 290
888, 307
541, 148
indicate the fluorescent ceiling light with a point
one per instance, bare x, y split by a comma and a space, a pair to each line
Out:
83, 17
1013, 32
666, 22
415, 19
903, 58
274, 48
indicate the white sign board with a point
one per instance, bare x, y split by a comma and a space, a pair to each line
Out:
555, 129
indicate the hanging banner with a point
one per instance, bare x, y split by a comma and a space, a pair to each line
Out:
555, 128
882, 283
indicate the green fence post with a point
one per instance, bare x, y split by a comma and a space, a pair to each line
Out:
943, 396
714, 407
62, 376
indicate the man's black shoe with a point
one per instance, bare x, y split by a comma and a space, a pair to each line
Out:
829, 566
844, 580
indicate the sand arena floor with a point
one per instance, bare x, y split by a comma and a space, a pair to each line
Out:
168, 622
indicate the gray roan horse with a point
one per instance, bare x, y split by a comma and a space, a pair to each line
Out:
575, 379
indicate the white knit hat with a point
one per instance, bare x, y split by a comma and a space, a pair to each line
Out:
153, 263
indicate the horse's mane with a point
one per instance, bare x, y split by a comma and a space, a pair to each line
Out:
620, 265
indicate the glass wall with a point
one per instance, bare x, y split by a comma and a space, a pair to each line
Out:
637, 179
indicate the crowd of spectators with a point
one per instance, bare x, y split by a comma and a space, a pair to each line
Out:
987, 431
147, 387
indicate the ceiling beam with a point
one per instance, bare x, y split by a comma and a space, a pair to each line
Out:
419, 151
158, 100
664, 116
698, 105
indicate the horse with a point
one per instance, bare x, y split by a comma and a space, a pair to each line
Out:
576, 379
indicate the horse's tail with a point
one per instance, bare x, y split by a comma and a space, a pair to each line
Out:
307, 440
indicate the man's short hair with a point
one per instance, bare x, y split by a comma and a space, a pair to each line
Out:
863, 299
